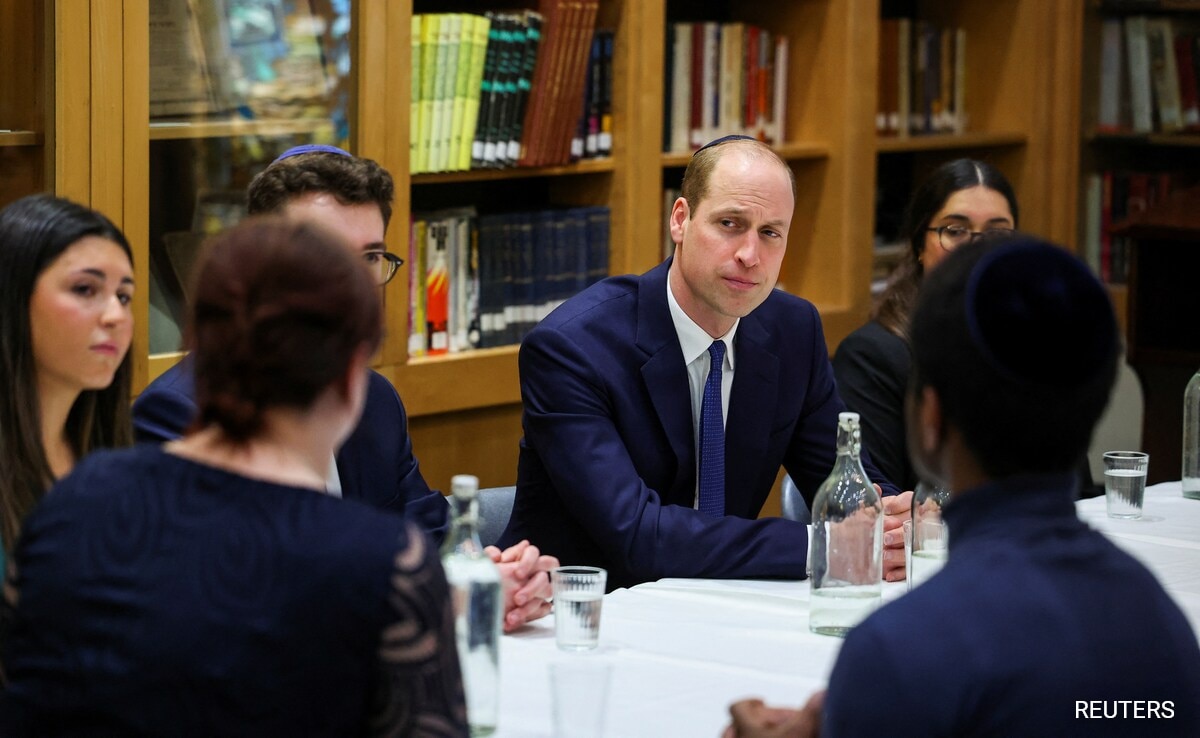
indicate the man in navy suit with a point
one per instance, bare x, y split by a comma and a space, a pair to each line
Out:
614, 385
352, 196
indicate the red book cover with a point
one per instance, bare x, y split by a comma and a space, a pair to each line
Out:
574, 82
537, 103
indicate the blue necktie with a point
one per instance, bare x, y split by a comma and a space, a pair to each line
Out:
712, 438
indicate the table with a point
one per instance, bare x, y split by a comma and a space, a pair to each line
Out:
681, 650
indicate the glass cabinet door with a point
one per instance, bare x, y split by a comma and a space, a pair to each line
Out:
232, 84
25, 95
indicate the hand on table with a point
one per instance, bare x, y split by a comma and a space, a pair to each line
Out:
525, 577
896, 509
753, 719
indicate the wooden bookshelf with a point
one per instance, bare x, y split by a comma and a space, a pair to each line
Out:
465, 412
950, 142
20, 138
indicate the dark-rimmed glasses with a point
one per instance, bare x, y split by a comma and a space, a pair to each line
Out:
951, 237
383, 264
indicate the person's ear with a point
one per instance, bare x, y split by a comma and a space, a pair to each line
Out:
930, 422
680, 213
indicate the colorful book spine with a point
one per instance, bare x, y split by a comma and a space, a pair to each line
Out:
480, 26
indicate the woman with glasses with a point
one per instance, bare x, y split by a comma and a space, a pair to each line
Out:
210, 585
959, 201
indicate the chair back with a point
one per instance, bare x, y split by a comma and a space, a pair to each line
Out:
495, 508
793, 504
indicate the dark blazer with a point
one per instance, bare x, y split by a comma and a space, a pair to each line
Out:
607, 469
872, 366
376, 464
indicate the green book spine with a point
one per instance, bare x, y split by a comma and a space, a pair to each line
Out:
414, 94
429, 33
480, 27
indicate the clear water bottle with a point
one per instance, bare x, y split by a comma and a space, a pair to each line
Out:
1191, 438
847, 545
478, 606
930, 543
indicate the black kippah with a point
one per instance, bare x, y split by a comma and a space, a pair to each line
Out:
1039, 315
724, 139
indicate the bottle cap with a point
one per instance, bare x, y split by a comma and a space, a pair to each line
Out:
847, 417
464, 485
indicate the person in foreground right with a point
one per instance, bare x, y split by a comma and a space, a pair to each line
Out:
1037, 625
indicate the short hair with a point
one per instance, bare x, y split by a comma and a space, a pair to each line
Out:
280, 309
895, 304
699, 170
352, 180
1020, 343
34, 231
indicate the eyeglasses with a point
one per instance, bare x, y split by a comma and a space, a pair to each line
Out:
383, 264
952, 236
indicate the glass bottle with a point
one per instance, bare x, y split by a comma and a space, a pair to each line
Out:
847, 545
1191, 438
478, 606
930, 542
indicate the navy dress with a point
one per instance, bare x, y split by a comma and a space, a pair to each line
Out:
158, 596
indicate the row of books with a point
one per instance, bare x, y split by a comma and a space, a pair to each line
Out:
1112, 197
1149, 67
520, 88
482, 281
922, 78
723, 78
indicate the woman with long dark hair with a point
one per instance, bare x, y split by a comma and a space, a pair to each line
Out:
959, 201
65, 329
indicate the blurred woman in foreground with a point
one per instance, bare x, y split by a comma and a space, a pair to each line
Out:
210, 586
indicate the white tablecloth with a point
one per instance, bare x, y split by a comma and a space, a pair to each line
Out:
682, 649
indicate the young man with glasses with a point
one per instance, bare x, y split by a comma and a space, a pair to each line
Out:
352, 196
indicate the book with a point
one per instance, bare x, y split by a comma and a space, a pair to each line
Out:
1189, 96
487, 83
533, 40
549, 56
437, 287
1108, 117
462, 85
605, 138
730, 78
478, 38
417, 327
414, 106
570, 90
512, 57
1160, 38
886, 103
430, 30
449, 34
779, 106
959, 113
1140, 80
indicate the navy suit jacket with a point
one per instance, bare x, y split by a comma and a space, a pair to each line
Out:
375, 465
607, 470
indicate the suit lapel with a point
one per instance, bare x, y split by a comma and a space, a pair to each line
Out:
751, 403
664, 374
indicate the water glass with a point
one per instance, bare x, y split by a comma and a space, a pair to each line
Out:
578, 597
1125, 483
579, 692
